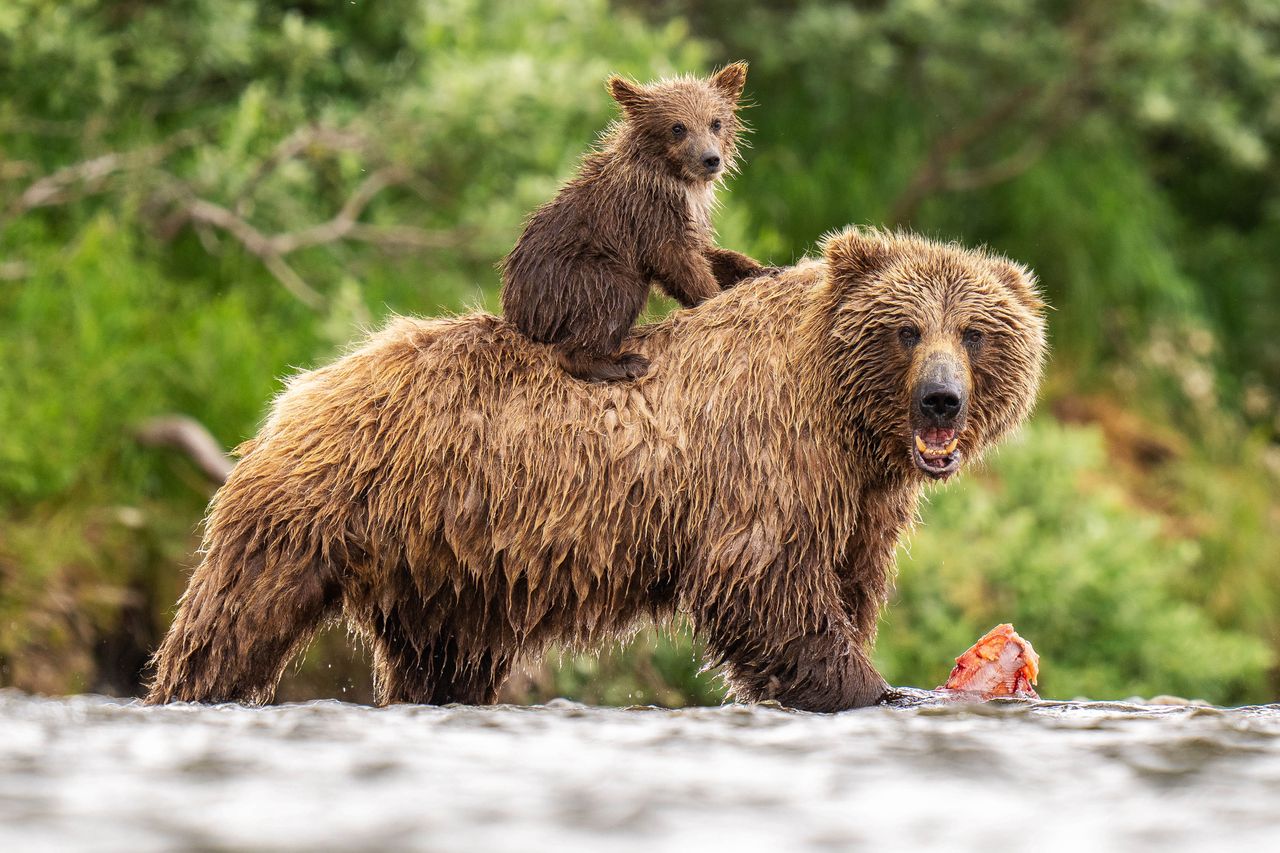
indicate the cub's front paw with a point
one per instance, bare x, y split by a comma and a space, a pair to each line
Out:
633, 364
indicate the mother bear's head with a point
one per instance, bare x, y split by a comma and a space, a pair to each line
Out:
933, 351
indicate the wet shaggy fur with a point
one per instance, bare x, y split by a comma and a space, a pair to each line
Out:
638, 212
461, 502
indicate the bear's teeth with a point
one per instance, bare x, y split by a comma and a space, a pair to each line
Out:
935, 452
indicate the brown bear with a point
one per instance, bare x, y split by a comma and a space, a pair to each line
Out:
461, 502
639, 211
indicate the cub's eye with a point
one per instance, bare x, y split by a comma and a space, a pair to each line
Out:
973, 337
677, 130
909, 335
716, 125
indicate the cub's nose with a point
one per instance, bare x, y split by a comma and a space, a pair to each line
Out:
711, 160
940, 404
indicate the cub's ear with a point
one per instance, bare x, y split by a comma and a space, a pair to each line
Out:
629, 94
730, 80
856, 253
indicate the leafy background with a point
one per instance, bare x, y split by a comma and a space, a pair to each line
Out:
201, 196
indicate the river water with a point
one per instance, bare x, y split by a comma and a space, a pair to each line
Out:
90, 773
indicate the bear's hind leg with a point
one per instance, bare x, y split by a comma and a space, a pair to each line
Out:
243, 617
433, 669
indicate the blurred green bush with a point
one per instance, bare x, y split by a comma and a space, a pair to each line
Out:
1047, 540
198, 197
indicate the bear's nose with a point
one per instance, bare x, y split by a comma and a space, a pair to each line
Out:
941, 404
711, 161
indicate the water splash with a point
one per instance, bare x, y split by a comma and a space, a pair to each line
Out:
92, 773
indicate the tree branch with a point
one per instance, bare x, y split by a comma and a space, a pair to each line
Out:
13, 270
929, 177
334, 139
256, 243
409, 237
345, 225
1000, 171
183, 206
1061, 104
1062, 111
189, 436
341, 225
57, 187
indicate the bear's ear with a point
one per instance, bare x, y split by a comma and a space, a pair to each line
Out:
730, 80
1022, 284
855, 253
629, 94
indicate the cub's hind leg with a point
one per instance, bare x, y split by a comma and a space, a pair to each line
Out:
589, 341
594, 367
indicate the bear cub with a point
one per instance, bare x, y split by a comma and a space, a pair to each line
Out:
637, 213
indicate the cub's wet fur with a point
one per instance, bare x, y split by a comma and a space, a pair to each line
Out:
637, 213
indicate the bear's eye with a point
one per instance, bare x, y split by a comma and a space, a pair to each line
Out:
716, 125
909, 335
677, 130
973, 338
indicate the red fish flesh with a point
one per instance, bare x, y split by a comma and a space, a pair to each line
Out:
1000, 664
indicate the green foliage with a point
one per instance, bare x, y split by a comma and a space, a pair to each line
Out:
1124, 150
1048, 542
152, 156
655, 668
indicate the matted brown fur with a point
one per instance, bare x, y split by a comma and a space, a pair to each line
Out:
461, 502
638, 212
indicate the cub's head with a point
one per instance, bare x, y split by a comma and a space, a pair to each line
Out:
689, 125
935, 350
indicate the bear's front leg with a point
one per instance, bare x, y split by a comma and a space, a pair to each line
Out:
824, 672
685, 275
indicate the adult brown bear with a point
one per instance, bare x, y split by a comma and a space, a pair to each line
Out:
461, 502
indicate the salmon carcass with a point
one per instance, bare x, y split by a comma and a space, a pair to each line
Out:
999, 664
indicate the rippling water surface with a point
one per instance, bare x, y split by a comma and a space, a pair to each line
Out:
93, 773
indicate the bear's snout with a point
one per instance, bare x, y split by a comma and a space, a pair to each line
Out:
941, 397
939, 405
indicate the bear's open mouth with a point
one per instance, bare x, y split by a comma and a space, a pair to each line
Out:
935, 453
